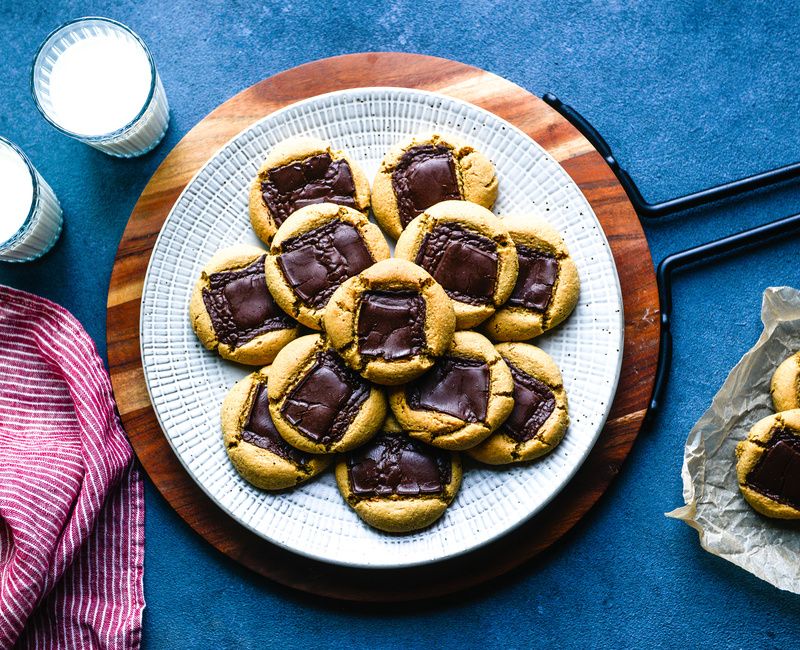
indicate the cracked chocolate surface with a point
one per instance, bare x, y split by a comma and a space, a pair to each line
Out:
391, 324
534, 401
325, 402
456, 386
394, 464
462, 261
259, 430
537, 275
316, 262
776, 475
424, 176
318, 179
241, 307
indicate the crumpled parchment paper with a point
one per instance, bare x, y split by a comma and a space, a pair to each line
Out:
728, 526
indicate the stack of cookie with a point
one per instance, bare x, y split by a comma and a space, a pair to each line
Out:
768, 467
405, 361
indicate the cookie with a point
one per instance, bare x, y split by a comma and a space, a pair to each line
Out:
253, 444
768, 466
547, 286
300, 172
467, 250
397, 484
390, 322
314, 251
461, 400
233, 312
785, 388
426, 170
317, 403
539, 418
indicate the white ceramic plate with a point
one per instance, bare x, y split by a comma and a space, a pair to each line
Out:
187, 383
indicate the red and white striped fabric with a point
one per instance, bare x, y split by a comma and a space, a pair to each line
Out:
71, 497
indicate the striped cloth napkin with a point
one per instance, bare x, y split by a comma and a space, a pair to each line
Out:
71, 497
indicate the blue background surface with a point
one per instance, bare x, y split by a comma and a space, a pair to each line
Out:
687, 93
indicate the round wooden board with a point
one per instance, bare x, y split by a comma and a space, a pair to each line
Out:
565, 144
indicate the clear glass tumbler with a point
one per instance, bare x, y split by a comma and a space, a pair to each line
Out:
30, 214
95, 80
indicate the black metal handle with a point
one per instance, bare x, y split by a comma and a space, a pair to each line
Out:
647, 210
701, 253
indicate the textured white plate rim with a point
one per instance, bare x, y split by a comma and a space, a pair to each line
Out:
567, 477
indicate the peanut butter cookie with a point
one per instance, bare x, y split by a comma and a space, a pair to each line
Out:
461, 400
539, 418
547, 286
426, 170
300, 172
467, 250
785, 387
397, 484
314, 251
317, 403
768, 467
390, 322
253, 444
233, 312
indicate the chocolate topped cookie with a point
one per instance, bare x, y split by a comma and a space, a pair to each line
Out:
390, 322
539, 418
547, 286
300, 172
426, 170
233, 312
768, 467
315, 251
461, 400
396, 483
254, 445
317, 403
468, 251
785, 388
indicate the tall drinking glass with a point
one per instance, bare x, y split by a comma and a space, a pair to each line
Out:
30, 215
95, 80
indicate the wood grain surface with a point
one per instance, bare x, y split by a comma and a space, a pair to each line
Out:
565, 144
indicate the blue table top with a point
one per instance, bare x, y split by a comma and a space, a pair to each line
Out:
688, 94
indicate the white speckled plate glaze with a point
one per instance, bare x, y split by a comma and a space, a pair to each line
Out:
187, 383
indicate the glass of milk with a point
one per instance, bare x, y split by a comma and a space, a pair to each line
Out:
30, 215
95, 80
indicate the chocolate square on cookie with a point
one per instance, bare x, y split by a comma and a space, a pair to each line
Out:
324, 403
317, 179
317, 403
391, 324
318, 261
534, 401
463, 262
469, 252
259, 430
458, 387
393, 463
768, 465
240, 305
776, 475
539, 419
299, 172
425, 170
424, 176
396, 483
537, 274
253, 443
315, 250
